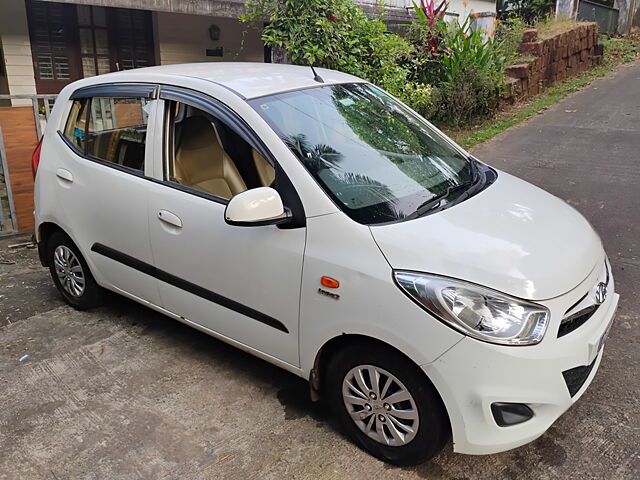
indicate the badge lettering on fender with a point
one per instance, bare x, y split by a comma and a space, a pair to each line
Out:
335, 296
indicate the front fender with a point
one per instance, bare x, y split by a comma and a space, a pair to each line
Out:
367, 301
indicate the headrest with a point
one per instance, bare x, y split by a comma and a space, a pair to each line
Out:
197, 132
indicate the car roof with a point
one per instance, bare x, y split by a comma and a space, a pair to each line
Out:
247, 79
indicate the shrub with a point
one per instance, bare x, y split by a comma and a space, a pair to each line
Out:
471, 73
508, 38
426, 35
421, 97
467, 95
333, 34
527, 10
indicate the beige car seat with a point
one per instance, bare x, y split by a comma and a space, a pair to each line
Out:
201, 163
266, 172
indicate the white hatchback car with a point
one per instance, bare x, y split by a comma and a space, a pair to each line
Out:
318, 223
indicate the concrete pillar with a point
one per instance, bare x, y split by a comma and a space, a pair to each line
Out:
627, 11
566, 9
16, 48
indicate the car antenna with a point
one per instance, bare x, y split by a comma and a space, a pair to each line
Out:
316, 77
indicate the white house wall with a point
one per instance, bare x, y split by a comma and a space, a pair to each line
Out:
16, 48
455, 6
185, 38
472, 6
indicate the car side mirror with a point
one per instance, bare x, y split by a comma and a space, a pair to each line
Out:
255, 207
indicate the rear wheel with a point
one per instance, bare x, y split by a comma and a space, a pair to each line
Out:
386, 404
71, 274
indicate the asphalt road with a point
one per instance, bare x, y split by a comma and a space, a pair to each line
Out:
123, 392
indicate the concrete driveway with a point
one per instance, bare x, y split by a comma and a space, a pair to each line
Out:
123, 392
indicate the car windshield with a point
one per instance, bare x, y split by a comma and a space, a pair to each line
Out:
378, 161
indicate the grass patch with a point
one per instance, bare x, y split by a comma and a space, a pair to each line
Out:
550, 27
616, 51
525, 58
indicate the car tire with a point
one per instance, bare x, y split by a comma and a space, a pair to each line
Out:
71, 274
421, 410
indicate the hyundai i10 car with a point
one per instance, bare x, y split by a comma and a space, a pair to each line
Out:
313, 220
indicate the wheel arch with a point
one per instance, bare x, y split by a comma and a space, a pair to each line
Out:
43, 234
333, 345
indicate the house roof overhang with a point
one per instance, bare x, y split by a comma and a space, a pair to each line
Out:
212, 8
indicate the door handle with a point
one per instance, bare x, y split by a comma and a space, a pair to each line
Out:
170, 218
64, 174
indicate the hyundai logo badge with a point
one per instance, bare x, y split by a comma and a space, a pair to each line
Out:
601, 293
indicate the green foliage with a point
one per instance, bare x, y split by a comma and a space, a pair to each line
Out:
423, 98
508, 38
527, 10
426, 32
467, 47
470, 74
334, 34
466, 66
427, 37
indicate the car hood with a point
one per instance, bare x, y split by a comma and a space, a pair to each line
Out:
512, 237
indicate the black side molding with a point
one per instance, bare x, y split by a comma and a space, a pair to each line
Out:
187, 286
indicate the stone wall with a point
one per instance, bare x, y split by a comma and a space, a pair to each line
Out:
553, 59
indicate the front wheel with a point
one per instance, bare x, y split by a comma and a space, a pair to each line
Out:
386, 404
71, 274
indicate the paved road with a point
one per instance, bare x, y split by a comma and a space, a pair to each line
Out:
122, 392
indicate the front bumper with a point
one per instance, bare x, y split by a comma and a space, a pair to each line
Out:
473, 375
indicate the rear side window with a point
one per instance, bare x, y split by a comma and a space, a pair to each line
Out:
110, 129
76, 123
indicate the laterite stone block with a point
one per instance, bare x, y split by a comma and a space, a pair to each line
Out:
520, 70
530, 35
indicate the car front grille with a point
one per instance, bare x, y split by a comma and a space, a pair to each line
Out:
575, 377
570, 323
575, 320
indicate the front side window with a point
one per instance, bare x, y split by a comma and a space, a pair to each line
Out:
377, 160
205, 154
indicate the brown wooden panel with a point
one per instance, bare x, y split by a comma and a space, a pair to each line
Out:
128, 113
20, 139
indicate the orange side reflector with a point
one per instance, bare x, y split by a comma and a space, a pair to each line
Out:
329, 282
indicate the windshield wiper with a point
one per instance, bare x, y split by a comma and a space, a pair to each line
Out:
435, 201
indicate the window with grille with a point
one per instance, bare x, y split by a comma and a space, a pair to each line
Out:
134, 47
94, 40
69, 42
50, 41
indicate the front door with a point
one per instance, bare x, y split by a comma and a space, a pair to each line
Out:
242, 283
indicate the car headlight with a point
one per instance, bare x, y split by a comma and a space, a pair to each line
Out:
477, 311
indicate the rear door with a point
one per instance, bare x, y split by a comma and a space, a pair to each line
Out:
103, 178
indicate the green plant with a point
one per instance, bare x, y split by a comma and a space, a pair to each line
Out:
427, 30
334, 34
527, 10
421, 97
508, 37
472, 73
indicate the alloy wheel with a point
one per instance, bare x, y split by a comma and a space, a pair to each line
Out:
69, 271
380, 405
